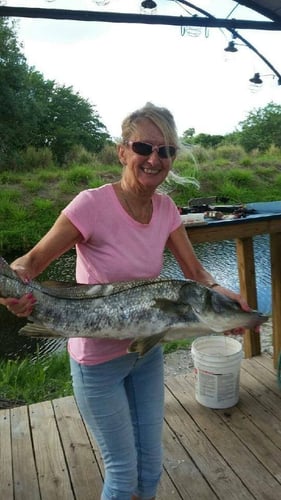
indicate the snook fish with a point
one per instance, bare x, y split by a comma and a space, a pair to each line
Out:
146, 311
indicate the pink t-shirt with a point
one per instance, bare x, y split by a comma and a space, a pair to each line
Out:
115, 247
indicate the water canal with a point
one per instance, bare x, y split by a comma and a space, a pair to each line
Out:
218, 257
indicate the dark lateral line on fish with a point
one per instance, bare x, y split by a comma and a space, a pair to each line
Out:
39, 286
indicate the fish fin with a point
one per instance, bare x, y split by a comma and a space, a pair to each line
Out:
169, 306
143, 344
35, 330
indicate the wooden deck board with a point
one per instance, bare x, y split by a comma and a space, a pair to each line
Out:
46, 450
24, 467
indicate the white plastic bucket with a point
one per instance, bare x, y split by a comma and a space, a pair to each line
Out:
217, 361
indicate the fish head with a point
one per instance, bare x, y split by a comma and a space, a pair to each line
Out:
219, 312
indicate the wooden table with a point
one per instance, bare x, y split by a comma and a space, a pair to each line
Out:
243, 231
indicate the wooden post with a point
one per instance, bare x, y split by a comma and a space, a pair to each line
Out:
275, 248
247, 278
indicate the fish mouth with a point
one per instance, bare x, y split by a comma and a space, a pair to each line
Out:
229, 323
257, 320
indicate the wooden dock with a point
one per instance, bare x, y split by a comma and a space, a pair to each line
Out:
46, 452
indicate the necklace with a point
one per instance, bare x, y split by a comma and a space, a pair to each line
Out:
143, 215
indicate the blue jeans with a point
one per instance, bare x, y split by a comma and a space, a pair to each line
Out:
122, 402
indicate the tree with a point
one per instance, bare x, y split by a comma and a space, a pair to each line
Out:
261, 128
188, 135
37, 112
207, 140
72, 120
13, 72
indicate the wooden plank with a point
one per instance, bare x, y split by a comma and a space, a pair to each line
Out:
263, 448
168, 489
266, 361
257, 480
183, 418
265, 377
6, 475
52, 470
267, 397
24, 471
182, 470
247, 279
275, 245
239, 229
82, 464
268, 423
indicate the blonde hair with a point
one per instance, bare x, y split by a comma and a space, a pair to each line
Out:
161, 117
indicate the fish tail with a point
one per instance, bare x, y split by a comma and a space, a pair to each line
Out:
4, 267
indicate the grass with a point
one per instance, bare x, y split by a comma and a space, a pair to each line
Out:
30, 380
227, 171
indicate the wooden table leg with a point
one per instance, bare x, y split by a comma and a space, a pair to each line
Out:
247, 277
275, 249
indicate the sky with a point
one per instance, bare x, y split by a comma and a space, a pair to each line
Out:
119, 67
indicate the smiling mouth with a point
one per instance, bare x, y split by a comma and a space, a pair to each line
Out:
152, 171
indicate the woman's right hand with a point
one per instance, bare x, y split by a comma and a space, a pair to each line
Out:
21, 307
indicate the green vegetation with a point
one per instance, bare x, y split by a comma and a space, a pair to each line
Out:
53, 145
33, 380
40, 114
36, 380
31, 200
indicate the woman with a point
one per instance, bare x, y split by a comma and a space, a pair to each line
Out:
120, 231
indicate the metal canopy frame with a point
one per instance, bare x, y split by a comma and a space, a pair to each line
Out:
118, 17
268, 8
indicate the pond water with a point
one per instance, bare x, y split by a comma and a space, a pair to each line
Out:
219, 258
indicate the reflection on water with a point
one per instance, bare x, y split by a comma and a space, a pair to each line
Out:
13, 345
219, 258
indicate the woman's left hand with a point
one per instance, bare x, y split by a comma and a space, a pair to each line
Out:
243, 304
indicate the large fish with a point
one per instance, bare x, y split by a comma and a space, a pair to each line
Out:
145, 311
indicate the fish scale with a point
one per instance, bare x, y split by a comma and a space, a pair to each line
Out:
145, 311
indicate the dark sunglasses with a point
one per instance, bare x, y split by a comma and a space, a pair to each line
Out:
145, 149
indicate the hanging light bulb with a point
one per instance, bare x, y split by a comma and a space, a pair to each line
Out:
231, 47
148, 7
194, 31
256, 79
255, 83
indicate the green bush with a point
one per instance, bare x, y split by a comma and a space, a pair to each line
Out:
33, 158
79, 155
79, 175
241, 177
108, 155
230, 152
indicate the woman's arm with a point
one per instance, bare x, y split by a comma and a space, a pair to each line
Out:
62, 237
181, 247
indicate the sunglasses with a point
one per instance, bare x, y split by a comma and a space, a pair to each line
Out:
145, 149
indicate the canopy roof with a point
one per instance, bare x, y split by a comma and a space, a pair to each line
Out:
268, 8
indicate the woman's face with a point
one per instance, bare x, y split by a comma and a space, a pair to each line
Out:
145, 170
